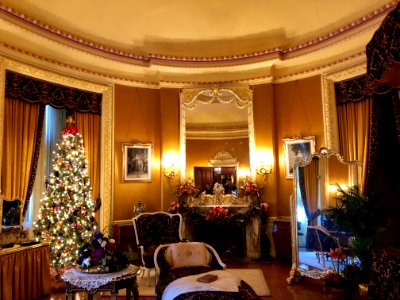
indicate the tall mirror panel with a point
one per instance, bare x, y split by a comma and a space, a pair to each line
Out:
315, 185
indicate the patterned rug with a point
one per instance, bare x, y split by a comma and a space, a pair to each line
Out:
254, 277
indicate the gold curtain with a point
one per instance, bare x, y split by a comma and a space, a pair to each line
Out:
89, 127
21, 122
311, 187
354, 122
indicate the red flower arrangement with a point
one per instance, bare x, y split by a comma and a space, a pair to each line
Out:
174, 207
248, 187
186, 188
217, 212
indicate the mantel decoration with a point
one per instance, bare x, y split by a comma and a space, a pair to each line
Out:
248, 189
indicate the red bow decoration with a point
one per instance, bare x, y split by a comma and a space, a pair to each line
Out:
69, 129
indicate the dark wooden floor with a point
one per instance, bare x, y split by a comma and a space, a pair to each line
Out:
275, 274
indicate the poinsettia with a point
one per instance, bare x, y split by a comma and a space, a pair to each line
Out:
249, 187
174, 207
217, 212
186, 188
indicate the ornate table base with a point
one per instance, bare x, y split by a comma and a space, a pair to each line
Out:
127, 281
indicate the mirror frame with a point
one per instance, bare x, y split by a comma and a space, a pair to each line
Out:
241, 95
21, 208
354, 176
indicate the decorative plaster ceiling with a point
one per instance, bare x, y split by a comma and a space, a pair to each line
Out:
178, 43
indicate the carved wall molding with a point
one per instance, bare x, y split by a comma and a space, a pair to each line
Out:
241, 95
329, 101
238, 95
222, 158
107, 125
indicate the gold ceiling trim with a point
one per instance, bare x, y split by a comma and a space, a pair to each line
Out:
96, 48
15, 53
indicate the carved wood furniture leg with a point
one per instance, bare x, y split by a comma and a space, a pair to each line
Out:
135, 290
128, 293
69, 294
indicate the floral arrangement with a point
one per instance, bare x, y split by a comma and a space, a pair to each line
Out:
256, 207
174, 207
333, 276
338, 258
187, 188
248, 187
101, 255
217, 213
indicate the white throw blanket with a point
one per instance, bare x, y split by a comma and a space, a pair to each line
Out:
226, 282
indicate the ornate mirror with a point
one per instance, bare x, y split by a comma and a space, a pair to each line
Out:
315, 184
10, 214
214, 122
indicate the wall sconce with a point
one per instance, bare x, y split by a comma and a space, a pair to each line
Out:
264, 170
171, 165
170, 171
264, 161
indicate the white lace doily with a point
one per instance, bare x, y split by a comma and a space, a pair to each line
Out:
90, 281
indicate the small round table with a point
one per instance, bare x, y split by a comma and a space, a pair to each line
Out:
81, 281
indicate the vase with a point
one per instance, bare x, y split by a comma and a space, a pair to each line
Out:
139, 208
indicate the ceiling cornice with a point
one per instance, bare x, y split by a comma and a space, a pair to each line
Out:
97, 48
120, 66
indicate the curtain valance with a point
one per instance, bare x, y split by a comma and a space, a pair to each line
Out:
33, 90
383, 51
356, 89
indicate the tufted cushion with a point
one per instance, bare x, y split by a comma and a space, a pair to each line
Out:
192, 254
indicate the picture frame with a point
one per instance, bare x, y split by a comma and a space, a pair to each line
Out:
137, 162
297, 150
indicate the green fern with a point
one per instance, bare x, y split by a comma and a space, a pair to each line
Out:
364, 216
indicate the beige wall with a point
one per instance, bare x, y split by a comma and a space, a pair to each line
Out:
280, 111
136, 119
170, 139
298, 112
264, 136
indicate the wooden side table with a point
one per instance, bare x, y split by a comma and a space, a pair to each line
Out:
282, 240
127, 281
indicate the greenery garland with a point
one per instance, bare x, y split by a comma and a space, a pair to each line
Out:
186, 190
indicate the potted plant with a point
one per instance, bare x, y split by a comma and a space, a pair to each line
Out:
364, 217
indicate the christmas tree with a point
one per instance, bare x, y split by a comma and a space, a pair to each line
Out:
66, 216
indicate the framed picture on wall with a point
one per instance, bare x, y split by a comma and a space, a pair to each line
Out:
137, 162
297, 150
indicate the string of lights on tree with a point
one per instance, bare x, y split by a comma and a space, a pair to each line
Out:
66, 216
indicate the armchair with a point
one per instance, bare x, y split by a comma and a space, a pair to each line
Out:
152, 230
179, 265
